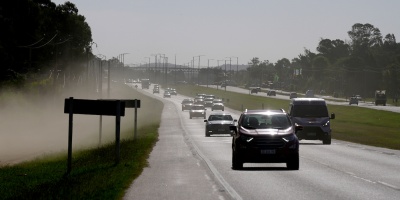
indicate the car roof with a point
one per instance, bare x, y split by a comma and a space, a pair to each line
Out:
307, 101
268, 112
220, 113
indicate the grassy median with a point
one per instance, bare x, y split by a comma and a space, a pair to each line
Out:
352, 123
94, 173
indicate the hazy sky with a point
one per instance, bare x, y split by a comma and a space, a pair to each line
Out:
217, 29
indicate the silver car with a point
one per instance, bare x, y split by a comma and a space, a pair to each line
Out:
187, 104
197, 110
217, 104
219, 123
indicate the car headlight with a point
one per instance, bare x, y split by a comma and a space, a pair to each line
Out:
326, 123
289, 138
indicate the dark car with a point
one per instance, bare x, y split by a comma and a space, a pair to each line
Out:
156, 90
271, 93
187, 104
197, 110
353, 100
265, 136
254, 91
292, 95
219, 123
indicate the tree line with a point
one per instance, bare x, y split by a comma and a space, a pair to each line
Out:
39, 38
365, 63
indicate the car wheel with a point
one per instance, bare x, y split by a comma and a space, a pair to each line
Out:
293, 163
190, 116
237, 163
327, 140
222, 109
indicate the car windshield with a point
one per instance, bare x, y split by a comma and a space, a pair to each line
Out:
220, 117
187, 101
310, 111
264, 121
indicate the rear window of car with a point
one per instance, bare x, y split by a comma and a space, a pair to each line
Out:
219, 117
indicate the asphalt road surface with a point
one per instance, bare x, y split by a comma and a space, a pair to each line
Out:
187, 165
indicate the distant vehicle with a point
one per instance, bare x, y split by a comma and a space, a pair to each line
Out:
197, 110
145, 83
208, 102
187, 104
156, 90
219, 123
353, 100
359, 98
271, 93
173, 91
199, 101
380, 97
310, 93
293, 95
265, 136
167, 94
209, 96
258, 89
201, 95
218, 104
312, 114
253, 91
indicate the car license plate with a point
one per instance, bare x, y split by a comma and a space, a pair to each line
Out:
268, 151
312, 134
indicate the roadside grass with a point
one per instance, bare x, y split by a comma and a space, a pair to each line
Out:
352, 123
94, 173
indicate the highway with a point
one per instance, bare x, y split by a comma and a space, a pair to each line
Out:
342, 170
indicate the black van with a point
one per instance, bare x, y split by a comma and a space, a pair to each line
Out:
312, 115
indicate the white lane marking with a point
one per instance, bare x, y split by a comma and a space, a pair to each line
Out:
389, 185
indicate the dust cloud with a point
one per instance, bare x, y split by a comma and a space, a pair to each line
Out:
32, 126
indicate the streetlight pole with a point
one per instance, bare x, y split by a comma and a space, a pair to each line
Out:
149, 62
230, 68
198, 71
237, 64
225, 76
208, 67
193, 68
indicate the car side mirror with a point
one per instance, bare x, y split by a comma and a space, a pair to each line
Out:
298, 128
232, 128
205, 120
235, 120
333, 115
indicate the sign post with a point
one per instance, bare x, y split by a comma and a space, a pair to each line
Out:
93, 107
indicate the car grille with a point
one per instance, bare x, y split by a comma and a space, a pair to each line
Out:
220, 126
268, 142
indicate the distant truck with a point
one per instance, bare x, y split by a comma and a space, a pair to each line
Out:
145, 83
380, 97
